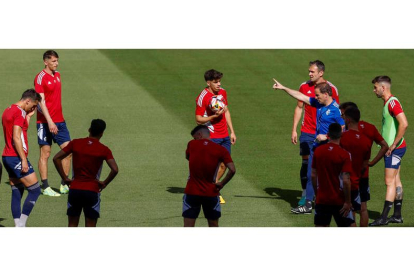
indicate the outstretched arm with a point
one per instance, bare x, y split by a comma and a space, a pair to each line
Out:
295, 94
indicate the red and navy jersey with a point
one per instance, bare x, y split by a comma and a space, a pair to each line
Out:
51, 87
372, 133
330, 161
14, 115
218, 126
395, 108
204, 158
359, 146
309, 117
88, 155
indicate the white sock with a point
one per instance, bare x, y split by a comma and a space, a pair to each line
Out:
16, 222
22, 221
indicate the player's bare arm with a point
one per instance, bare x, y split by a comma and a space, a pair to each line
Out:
114, 171
321, 138
347, 207
402, 127
202, 120
297, 114
57, 160
29, 115
230, 125
18, 143
293, 93
52, 126
230, 173
384, 148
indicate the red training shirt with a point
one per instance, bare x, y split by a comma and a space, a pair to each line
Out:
51, 87
88, 155
372, 133
14, 116
204, 158
309, 117
330, 161
359, 146
218, 126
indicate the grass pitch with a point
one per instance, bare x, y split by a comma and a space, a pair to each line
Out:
147, 98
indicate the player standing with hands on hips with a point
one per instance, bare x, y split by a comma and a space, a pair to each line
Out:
51, 125
217, 122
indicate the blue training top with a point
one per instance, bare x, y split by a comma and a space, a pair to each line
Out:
325, 116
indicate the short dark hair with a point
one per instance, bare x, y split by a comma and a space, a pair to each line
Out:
98, 126
381, 79
199, 128
319, 64
324, 87
346, 105
353, 113
212, 75
50, 53
335, 131
31, 94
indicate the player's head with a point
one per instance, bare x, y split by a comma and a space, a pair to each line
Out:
200, 132
316, 70
29, 100
335, 131
51, 60
213, 79
344, 106
97, 128
382, 85
323, 93
352, 115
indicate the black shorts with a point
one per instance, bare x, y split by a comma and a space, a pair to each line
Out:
364, 191
192, 206
89, 201
324, 213
355, 200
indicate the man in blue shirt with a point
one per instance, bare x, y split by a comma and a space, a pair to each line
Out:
328, 113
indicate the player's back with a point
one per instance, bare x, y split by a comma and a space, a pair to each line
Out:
14, 115
88, 155
359, 146
330, 160
204, 158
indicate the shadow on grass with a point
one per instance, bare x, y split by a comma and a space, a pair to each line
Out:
290, 196
176, 190
1, 219
373, 214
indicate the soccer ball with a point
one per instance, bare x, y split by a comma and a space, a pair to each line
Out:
216, 103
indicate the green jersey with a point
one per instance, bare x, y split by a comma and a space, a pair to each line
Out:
389, 123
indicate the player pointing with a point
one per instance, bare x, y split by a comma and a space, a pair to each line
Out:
327, 113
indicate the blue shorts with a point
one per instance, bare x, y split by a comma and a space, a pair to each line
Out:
306, 142
225, 142
394, 160
45, 137
13, 165
192, 206
89, 201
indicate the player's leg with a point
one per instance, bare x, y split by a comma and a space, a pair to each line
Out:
323, 216
211, 209
90, 222
342, 221
226, 143
44, 139
91, 207
16, 201
191, 209
307, 208
396, 217
356, 204
365, 197
33, 189
62, 138
75, 204
306, 141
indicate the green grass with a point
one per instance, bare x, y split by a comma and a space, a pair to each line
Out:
147, 98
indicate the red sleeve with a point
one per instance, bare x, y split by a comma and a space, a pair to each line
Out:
394, 108
225, 97
68, 148
226, 157
376, 135
187, 151
335, 95
18, 119
201, 106
38, 87
109, 155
